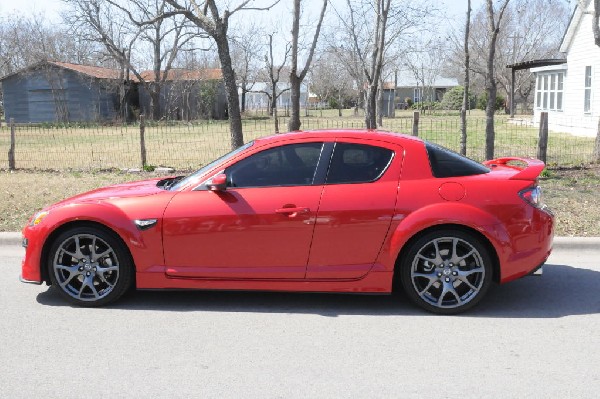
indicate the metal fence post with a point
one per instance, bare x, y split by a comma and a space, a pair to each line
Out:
11, 151
543, 140
415, 127
143, 140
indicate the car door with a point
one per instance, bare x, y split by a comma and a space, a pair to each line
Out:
260, 227
356, 209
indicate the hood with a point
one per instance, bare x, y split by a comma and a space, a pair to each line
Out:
126, 190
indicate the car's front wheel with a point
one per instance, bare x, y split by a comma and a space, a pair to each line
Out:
446, 271
90, 266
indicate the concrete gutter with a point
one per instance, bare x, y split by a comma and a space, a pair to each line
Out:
561, 243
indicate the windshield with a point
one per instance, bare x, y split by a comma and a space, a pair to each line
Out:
208, 167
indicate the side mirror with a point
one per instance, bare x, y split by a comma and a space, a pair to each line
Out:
218, 182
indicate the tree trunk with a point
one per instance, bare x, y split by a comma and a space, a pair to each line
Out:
155, 101
231, 93
294, 122
380, 104
370, 107
491, 87
275, 116
295, 77
244, 91
490, 134
465, 104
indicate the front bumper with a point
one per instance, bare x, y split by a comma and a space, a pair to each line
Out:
31, 263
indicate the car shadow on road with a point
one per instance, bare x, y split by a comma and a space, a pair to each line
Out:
562, 291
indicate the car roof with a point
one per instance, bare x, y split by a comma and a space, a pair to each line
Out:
346, 133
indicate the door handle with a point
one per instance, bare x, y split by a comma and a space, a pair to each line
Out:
291, 212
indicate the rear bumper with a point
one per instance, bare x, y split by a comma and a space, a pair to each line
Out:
21, 279
529, 247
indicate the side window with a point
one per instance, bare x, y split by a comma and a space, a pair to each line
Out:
357, 163
288, 165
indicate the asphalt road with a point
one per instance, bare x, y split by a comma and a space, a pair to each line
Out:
537, 337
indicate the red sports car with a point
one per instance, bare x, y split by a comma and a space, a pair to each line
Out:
326, 211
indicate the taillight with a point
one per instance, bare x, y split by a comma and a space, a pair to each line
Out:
533, 196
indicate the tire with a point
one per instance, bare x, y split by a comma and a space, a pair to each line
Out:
446, 271
90, 266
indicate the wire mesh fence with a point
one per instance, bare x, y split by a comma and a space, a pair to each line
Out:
186, 146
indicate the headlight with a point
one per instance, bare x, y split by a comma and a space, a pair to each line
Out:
37, 218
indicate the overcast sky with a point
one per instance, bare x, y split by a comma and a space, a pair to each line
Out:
51, 8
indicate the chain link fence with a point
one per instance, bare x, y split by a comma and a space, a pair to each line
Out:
186, 146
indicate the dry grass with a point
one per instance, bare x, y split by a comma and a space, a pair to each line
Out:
573, 195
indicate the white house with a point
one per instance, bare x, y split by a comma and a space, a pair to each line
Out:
566, 91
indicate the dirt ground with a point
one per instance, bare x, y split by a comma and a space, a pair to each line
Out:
573, 195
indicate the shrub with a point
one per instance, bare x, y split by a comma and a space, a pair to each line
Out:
453, 99
482, 101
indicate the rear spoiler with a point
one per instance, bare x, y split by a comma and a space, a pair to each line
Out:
531, 171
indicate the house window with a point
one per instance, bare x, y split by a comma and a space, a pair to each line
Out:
418, 94
549, 91
587, 92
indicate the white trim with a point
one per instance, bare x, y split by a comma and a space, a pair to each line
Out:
560, 67
572, 28
590, 109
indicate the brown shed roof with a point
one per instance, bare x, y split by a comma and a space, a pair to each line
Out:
187, 74
110, 73
93, 71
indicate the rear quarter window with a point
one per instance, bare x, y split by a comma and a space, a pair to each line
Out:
446, 163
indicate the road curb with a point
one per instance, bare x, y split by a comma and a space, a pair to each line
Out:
10, 238
562, 243
577, 243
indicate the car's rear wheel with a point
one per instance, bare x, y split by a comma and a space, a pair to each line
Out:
90, 266
446, 271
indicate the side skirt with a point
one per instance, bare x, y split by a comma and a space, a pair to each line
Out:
374, 282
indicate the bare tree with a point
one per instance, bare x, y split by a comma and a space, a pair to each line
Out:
214, 20
494, 16
372, 70
123, 28
465, 103
425, 59
330, 82
246, 48
297, 77
372, 28
348, 60
530, 30
28, 39
274, 74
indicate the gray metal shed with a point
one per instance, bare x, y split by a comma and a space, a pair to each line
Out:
188, 94
52, 91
